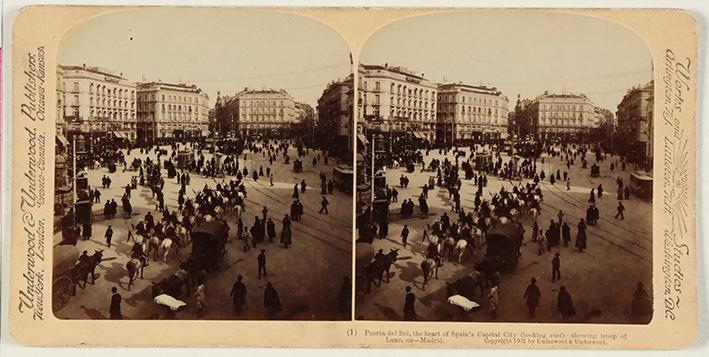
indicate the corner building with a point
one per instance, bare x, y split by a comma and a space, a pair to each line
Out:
96, 103
397, 101
171, 111
469, 114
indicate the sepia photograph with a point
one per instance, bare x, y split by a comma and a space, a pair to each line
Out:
203, 167
504, 170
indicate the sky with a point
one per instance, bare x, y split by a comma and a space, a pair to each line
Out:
215, 49
524, 54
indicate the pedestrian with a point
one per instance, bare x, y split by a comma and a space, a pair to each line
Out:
581, 236
555, 268
566, 234
323, 205
271, 301
493, 298
564, 303
271, 230
199, 296
409, 305
264, 212
247, 240
238, 294
592, 197
620, 209
541, 243
86, 232
270, 178
109, 235
531, 296
404, 235
600, 191
115, 310
262, 263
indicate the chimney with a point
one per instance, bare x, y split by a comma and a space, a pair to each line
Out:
84, 65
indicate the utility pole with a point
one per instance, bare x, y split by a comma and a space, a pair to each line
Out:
371, 185
75, 175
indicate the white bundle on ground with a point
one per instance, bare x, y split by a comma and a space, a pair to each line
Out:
169, 301
462, 302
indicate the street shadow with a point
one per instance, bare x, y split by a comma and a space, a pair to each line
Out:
115, 273
93, 313
143, 295
389, 313
409, 272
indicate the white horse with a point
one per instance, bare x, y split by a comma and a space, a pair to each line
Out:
165, 246
460, 249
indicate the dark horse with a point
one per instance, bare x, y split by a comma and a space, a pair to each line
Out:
172, 285
86, 267
378, 267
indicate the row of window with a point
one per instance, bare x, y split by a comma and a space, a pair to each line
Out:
567, 107
169, 98
101, 102
263, 118
262, 111
563, 115
466, 99
102, 89
562, 122
403, 89
262, 103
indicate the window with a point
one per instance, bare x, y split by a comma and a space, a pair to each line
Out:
76, 86
376, 86
365, 86
76, 100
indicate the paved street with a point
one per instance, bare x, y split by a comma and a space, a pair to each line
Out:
307, 276
601, 280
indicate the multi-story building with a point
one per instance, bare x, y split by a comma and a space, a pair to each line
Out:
335, 117
470, 113
558, 116
269, 112
96, 103
171, 111
397, 101
633, 135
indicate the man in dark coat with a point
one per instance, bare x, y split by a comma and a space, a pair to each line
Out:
564, 304
115, 310
271, 301
109, 235
555, 268
531, 296
566, 234
271, 229
409, 308
238, 294
262, 263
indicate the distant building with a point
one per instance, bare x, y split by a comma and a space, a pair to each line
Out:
557, 116
171, 111
470, 113
397, 101
635, 124
269, 112
95, 102
335, 117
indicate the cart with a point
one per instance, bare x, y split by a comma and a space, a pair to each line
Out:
63, 284
503, 246
209, 244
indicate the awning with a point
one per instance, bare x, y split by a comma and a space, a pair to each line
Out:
62, 140
419, 135
363, 139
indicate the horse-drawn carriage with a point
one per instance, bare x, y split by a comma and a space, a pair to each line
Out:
185, 160
482, 161
503, 247
209, 244
69, 270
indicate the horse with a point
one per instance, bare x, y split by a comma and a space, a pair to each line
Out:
467, 285
172, 285
380, 266
448, 245
153, 245
88, 267
132, 266
165, 246
460, 249
428, 267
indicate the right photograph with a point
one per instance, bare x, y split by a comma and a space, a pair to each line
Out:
504, 170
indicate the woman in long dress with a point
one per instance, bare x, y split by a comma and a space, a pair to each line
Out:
581, 237
565, 304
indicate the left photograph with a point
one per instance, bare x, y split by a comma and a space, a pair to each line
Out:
203, 168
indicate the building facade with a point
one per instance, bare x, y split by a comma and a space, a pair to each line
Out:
335, 117
95, 102
171, 111
558, 116
269, 112
634, 132
397, 101
469, 113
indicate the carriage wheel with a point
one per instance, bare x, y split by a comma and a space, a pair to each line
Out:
62, 288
